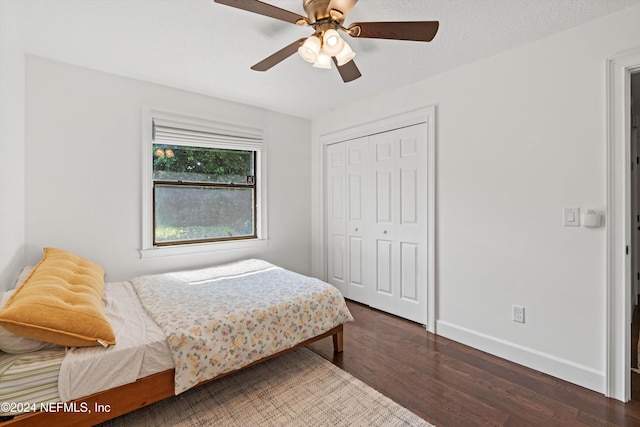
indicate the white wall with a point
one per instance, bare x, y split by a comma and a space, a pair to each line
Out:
519, 136
83, 179
11, 150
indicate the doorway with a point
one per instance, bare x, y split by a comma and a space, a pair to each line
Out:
620, 300
634, 147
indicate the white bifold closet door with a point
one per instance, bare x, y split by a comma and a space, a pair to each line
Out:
377, 220
347, 221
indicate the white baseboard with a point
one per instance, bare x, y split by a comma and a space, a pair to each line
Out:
557, 367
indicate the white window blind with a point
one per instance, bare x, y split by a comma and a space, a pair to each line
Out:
188, 132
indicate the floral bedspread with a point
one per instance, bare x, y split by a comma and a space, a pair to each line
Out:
222, 318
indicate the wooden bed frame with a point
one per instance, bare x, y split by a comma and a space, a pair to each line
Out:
117, 401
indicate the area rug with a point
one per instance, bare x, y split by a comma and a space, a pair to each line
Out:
297, 389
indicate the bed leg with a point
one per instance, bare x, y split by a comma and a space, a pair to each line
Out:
337, 342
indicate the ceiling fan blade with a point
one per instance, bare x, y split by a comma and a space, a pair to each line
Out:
265, 9
421, 31
343, 6
348, 71
278, 57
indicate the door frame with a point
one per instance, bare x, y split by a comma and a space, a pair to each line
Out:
618, 292
410, 118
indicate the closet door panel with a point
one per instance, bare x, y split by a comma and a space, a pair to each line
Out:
383, 153
384, 203
384, 276
409, 284
356, 288
409, 196
411, 229
336, 217
399, 164
355, 260
337, 259
337, 197
355, 197
356, 224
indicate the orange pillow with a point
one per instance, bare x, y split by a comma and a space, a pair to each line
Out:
60, 302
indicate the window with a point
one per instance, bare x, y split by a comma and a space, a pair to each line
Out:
202, 194
203, 183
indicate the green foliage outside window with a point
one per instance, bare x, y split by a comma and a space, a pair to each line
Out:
198, 164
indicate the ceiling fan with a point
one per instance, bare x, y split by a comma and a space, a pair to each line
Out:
325, 45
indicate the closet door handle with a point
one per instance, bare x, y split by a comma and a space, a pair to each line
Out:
356, 228
384, 232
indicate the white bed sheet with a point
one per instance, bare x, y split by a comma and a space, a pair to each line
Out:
141, 349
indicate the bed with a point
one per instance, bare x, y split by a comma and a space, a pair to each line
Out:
171, 332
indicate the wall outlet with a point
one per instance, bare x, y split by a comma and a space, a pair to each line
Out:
517, 313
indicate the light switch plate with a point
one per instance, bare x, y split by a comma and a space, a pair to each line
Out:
571, 217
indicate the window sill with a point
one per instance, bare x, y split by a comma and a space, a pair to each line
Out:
197, 248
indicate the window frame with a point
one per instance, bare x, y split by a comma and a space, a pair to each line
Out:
232, 136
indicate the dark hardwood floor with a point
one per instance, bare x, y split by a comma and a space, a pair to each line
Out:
450, 384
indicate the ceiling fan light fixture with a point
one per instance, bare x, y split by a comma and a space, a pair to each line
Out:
332, 43
345, 55
327, 18
310, 49
323, 61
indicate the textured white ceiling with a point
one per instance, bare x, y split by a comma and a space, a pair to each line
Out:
205, 47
